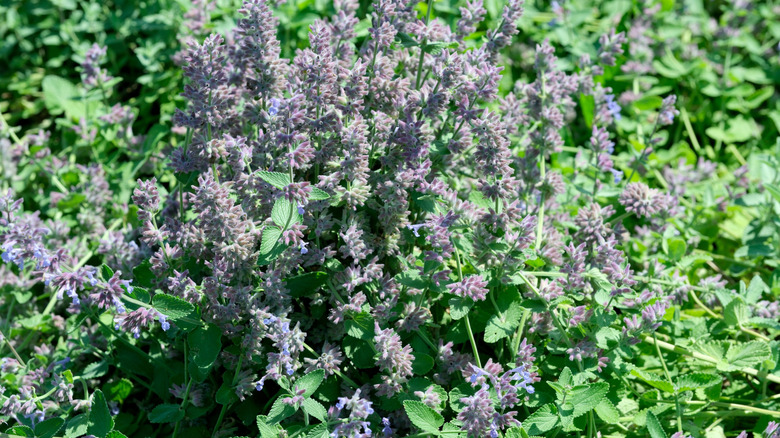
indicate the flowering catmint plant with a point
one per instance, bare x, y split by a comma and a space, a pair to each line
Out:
393, 219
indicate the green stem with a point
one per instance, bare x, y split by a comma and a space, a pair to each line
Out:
680, 350
183, 407
226, 406
669, 378
473, 342
540, 220
418, 81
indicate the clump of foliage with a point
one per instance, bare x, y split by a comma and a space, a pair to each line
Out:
489, 220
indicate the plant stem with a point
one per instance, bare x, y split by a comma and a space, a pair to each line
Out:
540, 219
669, 378
226, 406
715, 315
183, 407
680, 350
418, 81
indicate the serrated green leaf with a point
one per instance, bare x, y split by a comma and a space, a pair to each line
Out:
318, 194
360, 326
267, 430
48, 428
422, 416
587, 397
689, 382
315, 409
116, 434
310, 382
118, 390
100, 420
280, 411
607, 337
748, 354
755, 290
653, 380
503, 324
654, 426
319, 431
173, 307
166, 413
284, 213
544, 419
736, 312
20, 431
607, 411
276, 179
270, 246
459, 307
77, 426
95, 370
60, 95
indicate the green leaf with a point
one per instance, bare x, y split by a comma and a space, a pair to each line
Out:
654, 426
70, 202
773, 190
504, 324
284, 213
436, 47
205, 344
607, 337
318, 194
459, 307
736, 312
173, 307
306, 284
60, 95
544, 419
586, 397
422, 363
676, 248
20, 431
315, 409
276, 179
77, 426
280, 411
607, 411
143, 275
689, 382
166, 413
588, 106
48, 428
361, 326
748, 354
647, 103
319, 431
653, 380
95, 370
270, 247
756, 289
100, 421
225, 394
267, 430
116, 434
310, 382
422, 416
118, 390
